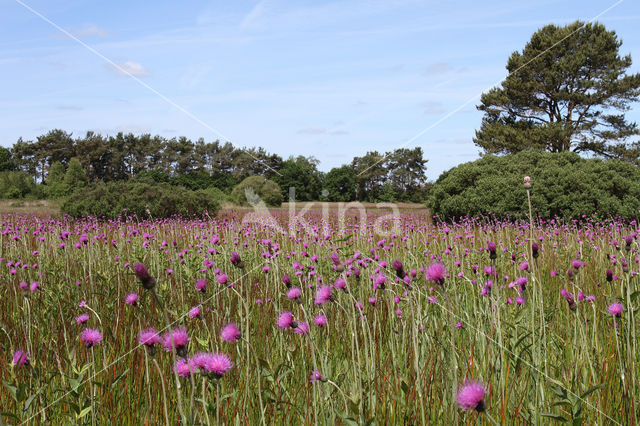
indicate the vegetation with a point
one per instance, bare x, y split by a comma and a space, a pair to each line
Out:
384, 341
254, 189
564, 185
565, 91
141, 199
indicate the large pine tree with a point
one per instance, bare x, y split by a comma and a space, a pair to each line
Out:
566, 91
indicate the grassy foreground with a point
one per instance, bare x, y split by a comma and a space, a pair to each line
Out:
398, 340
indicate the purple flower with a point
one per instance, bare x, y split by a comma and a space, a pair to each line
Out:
230, 332
90, 337
82, 318
286, 320
195, 312
576, 264
320, 320
131, 299
569, 298
294, 293
20, 358
316, 376
184, 367
286, 280
148, 337
223, 279
340, 284
471, 396
236, 260
491, 247
302, 328
201, 285
436, 273
323, 295
616, 309
178, 339
143, 275
216, 364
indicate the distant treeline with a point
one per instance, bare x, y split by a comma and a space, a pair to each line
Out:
393, 176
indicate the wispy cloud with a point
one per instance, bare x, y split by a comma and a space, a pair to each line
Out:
322, 131
86, 31
70, 108
438, 68
433, 108
129, 68
253, 16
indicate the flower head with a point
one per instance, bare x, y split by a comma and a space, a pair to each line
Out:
195, 312
320, 320
323, 295
20, 358
90, 337
131, 299
230, 332
436, 273
184, 367
294, 293
178, 339
616, 309
143, 275
201, 285
148, 337
471, 396
215, 364
286, 320
82, 318
316, 376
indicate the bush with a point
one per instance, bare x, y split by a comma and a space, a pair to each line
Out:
267, 190
564, 185
110, 200
14, 185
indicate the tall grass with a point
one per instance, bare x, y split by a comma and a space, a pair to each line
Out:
398, 360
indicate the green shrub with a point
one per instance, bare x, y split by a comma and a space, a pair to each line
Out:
267, 190
110, 200
14, 185
564, 185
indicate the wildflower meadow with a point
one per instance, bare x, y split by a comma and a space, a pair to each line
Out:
318, 319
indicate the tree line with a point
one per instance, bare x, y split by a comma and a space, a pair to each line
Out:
393, 176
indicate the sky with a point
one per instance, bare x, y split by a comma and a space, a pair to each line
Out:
331, 79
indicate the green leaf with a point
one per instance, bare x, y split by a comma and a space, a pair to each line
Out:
592, 390
554, 417
84, 412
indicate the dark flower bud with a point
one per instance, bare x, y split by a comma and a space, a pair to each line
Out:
491, 247
143, 275
534, 250
609, 274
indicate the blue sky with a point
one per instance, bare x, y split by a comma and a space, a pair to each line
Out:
332, 79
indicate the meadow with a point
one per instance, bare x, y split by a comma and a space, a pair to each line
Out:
318, 320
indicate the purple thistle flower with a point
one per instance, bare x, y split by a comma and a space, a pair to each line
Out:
178, 339
131, 299
286, 280
148, 337
286, 320
616, 309
184, 367
471, 396
236, 260
316, 376
223, 279
320, 320
34, 286
201, 285
340, 284
216, 365
90, 337
524, 266
534, 250
436, 273
379, 282
195, 312
143, 275
323, 295
294, 293
82, 318
576, 264
302, 328
21, 358
569, 298
230, 332
609, 275
491, 247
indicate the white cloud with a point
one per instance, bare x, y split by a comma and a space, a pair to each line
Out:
129, 68
90, 30
254, 14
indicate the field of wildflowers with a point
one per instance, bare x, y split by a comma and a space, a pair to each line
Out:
384, 320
